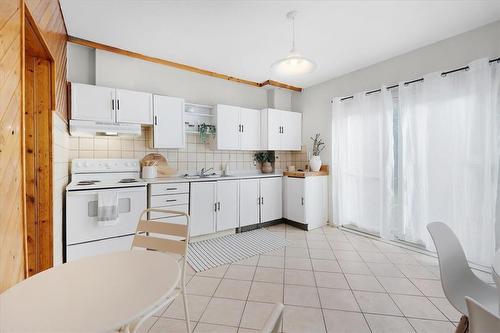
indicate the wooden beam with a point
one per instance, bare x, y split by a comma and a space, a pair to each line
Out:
280, 85
169, 63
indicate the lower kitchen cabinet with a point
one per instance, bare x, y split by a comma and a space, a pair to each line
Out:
260, 200
227, 205
306, 200
202, 208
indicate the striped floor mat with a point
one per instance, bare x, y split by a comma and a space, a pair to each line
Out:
210, 253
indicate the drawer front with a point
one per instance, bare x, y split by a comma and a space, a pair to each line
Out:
170, 188
169, 200
168, 217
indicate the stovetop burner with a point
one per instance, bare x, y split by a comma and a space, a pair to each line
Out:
87, 182
128, 180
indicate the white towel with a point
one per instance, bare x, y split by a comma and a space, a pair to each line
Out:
107, 208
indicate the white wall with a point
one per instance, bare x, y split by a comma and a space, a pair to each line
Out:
455, 52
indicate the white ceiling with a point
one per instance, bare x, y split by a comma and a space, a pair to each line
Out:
243, 38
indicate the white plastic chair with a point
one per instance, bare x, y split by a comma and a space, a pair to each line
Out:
166, 237
457, 278
480, 319
272, 324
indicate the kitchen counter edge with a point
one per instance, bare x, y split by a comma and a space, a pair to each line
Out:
164, 180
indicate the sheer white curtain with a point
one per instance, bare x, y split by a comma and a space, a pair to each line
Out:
450, 157
363, 162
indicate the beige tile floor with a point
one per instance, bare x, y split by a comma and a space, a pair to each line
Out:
329, 280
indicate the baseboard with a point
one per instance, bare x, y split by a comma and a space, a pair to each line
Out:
260, 225
296, 224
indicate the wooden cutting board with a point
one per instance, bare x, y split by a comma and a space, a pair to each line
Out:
323, 171
162, 167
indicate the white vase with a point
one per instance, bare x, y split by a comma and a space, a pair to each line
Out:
315, 163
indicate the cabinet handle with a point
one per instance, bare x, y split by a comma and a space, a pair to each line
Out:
302, 201
171, 188
215, 206
113, 104
156, 120
171, 200
242, 128
258, 201
261, 200
118, 104
218, 205
282, 129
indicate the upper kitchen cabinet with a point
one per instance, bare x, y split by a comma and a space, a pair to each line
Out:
109, 105
281, 130
92, 103
237, 128
168, 128
134, 107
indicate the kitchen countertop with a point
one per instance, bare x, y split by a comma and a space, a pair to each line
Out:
181, 179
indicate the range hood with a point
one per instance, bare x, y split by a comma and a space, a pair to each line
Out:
94, 128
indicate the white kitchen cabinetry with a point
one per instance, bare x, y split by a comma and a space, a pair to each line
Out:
168, 129
227, 205
92, 103
134, 107
249, 201
306, 200
271, 203
110, 105
203, 208
281, 130
237, 128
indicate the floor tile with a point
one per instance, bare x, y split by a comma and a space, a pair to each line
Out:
271, 261
217, 272
331, 280
398, 285
200, 285
300, 243
446, 308
299, 277
276, 253
337, 299
252, 261
256, 314
401, 258
211, 328
236, 289
388, 324
345, 322
321, 254
148, 323
266, 292
353, 267
301, 296
223, 311
375, 257
302, 320
196, 306
297, 252
326, 265
431, 288
416, 271
239, 272
364, 282
268, 274
389, 270
247, 330
298, 263
170, 325
377, 303
417, 307
431, 326
347, 255
318, 244
335, 245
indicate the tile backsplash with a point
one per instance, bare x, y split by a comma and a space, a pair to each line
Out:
194, 156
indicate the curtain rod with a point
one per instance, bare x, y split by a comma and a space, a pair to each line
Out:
443, 74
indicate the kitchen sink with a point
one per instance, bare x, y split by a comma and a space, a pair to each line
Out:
211, 175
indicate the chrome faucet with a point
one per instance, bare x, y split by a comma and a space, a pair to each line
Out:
204, 172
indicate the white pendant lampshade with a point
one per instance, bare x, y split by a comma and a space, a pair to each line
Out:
293, 64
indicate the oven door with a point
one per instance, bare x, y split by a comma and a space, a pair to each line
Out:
81, 214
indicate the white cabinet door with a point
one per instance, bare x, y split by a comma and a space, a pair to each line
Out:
227, 205
249, 202
168, 129
202, 208
271, 207
134, 107
294, 196
291, 131
92, 103
250, 129
274, 128
228, 127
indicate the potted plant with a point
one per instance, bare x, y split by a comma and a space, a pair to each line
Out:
265, 158
206, 130
318, 146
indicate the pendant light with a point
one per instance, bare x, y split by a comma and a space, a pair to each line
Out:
293, 64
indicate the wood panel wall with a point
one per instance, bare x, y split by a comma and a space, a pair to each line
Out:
48, 17
12, 259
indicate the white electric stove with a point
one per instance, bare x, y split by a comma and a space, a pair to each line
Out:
84, 235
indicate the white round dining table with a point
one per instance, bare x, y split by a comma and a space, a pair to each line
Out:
94, 294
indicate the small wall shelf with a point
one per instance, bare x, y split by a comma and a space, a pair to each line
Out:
197, 114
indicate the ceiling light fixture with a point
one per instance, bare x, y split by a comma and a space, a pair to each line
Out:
294, 63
